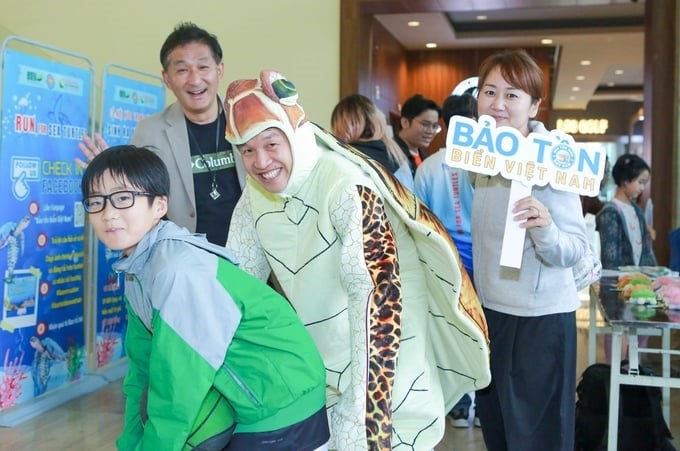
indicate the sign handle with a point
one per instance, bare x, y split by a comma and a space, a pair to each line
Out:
513, 236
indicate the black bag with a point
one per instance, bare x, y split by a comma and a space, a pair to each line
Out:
641, 423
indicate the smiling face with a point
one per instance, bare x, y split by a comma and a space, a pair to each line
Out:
268, 159
123, 229
507, 104
419, 132
194, 77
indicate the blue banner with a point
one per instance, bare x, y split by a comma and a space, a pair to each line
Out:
45, 111
125, 102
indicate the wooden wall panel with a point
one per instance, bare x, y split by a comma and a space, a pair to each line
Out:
354, 48
660, 125
388, 65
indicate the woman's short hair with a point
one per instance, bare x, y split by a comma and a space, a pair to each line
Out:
518, 68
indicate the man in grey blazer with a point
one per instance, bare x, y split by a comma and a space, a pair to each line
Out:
206, 176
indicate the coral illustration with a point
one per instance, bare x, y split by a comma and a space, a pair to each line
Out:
105, 346
10, 385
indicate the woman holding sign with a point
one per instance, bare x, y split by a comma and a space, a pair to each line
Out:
531, 309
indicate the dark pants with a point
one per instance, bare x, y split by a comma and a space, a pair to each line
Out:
530, 403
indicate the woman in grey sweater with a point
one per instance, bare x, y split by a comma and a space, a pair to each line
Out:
531, 310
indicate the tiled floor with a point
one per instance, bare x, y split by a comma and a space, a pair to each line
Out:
93, 421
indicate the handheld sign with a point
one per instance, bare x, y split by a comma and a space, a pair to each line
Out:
537, 159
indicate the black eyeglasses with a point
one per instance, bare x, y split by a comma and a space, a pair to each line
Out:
119, 200
436, 128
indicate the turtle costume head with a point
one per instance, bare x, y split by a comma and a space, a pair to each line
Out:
271, 101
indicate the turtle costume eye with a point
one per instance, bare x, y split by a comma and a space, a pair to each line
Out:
281, 89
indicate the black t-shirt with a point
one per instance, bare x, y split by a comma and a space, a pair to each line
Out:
212, 155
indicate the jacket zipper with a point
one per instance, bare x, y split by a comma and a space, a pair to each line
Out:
244, 387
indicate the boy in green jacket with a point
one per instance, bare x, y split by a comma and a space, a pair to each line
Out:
225, 360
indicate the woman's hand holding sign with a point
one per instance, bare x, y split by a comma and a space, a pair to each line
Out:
532, 212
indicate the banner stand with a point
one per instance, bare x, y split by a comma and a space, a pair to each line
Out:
127, 97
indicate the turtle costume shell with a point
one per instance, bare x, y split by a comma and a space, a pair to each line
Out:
371, 271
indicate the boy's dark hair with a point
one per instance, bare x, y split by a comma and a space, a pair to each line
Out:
139, 166
462, 105
415, 105
186, 33
628, 167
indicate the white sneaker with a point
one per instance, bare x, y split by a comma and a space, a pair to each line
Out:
459, 422
477, 423
459, 417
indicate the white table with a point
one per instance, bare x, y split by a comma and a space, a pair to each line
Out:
625, 319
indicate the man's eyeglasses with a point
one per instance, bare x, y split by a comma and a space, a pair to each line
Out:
430, 126
119, 200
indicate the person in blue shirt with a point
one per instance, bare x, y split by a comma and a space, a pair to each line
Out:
446, 190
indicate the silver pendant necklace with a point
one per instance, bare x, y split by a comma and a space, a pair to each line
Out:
214, 193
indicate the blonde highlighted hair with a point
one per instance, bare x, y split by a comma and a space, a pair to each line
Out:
356, 119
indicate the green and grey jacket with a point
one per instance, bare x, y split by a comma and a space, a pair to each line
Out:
214, 345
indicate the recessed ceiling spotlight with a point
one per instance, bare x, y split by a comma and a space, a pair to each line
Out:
482, 17
580, 77
618, 71
575, 88
431, 45
572, 97
611, 83
546, 41
585, 63
413, 23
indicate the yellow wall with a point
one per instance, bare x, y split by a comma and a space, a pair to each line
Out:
299, 38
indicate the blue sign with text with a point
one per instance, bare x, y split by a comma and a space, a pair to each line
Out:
45, 111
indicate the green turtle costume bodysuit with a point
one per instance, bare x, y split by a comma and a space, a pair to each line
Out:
372, 273
214, 346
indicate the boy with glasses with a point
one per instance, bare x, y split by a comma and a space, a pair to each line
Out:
217, 359
419, 125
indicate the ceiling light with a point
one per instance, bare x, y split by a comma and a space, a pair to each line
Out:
413, 23
618, 71
572, 97
575, 88
431, 45
546, 41
580, 77
611, 83
585, 63
482, 17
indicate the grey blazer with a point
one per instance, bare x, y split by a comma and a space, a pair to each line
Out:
166, 133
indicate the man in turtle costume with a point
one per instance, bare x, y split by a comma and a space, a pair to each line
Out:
371, 272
